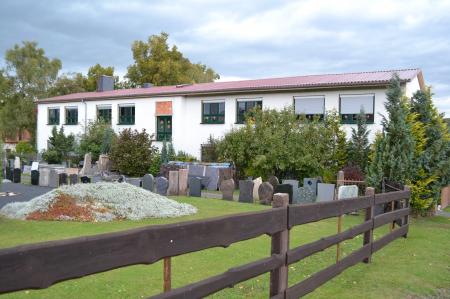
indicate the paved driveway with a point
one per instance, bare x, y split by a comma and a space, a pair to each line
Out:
27, 192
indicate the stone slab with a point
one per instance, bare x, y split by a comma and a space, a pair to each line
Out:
284, 188
212, 173
295, 190
227, 189
173, 183
256, 183
349, 191
148, 182
161, 185
53, 180
246, 191
265, 193
195, 186
325, 192
182, 181
44, 176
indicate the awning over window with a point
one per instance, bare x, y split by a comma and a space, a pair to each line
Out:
309, 105
352, 104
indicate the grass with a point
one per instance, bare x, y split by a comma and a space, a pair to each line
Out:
407, 268
447, 209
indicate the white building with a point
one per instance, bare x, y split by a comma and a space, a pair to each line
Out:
189, 114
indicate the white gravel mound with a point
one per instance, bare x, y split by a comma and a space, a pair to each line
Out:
120, 200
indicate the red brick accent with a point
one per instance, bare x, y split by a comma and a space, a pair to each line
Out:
164, 108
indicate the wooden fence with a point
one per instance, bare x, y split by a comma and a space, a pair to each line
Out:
38, 266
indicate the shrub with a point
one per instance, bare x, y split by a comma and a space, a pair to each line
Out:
132, 152
155, 165
209, 150
24, 148
185, 157
97, 140
60, 147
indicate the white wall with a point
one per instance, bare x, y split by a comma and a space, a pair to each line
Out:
188, 133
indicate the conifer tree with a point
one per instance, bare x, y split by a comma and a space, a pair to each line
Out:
164, 155
358, 147
171, 155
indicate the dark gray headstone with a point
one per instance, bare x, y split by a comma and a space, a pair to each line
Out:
35, 177
273, 180
16, 175
53, 180
196, 170
63, 179
212, 173
284, 188
96, 179
195, 186
134, 181
148, 182
9, 173
227, 189
295, 191
246, 191
85, 179
73, 178
265, 192
161, 185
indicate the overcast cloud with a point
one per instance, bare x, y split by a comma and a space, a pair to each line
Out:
245, 39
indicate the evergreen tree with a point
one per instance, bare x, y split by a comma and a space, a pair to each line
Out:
171, 155
393, 157
358, 147
164, 154
336, 154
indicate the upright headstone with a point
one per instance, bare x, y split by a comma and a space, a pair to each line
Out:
44, 175
311, 183
35, 166
212, 173
227, 189
225, 174
17, 164
349, 191
53, 180
246, 191
195, 186
325, 192
148, 182
103, 163
182, 181
173, 183
134, 181
87, 165
284, 188
273, 180
9, 173
295, 190
161, 184
306, 194
73, 178
85, 179
265, 192
197, 170
16, 175
63, 178
96, 179
256, 183
35, 177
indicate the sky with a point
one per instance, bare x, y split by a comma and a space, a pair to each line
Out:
244, 39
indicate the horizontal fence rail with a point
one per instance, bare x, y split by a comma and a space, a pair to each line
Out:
41, 265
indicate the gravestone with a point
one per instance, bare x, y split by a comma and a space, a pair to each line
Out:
16, 175
63, 179
87, 165
134, 181
212, 174
225, 174
173, 183
9, 173
96, 179
265, 192
227, 189
182, 181
246, 191
73, 178
295, 191
256, 183
195, 186
44, 175
349, 191
26, 169
85, 179
161, 185
17, 163
103, 163
273, 180
306, 194
53, 180
311, 183
284, 188
35, 177
148, 182
35, 166
325, 192
196, 170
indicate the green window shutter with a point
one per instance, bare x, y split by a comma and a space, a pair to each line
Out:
213, 113
126, 115
53, 116
71, 116
164, 128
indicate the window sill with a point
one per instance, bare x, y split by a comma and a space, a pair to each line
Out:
124, 124
72, 124
212, 123
53, 124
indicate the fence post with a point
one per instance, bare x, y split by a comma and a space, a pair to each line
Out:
339, 182
280, 245
167, 274
406, 203
368, 235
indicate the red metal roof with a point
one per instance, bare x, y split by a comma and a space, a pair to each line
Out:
299, 82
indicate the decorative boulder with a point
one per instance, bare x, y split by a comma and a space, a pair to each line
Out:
265, 192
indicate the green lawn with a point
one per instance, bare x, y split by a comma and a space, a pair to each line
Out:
416, 266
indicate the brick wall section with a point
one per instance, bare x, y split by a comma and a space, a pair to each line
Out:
164, 108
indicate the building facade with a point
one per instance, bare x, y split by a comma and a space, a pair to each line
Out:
188, 114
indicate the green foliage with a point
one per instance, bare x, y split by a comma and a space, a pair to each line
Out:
132, 152
24, 148
67, 84
155, 165
97, 140
171, 152
422, 201
60, 146
94, 72
164, 154
280, 143
209, 150
185, 157
358, 146
155, 63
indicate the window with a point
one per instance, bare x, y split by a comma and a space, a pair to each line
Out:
213, 113
351, 105
310, 106
71, 115
104, 112
53, 116
245, 108
164, 128
126, 115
